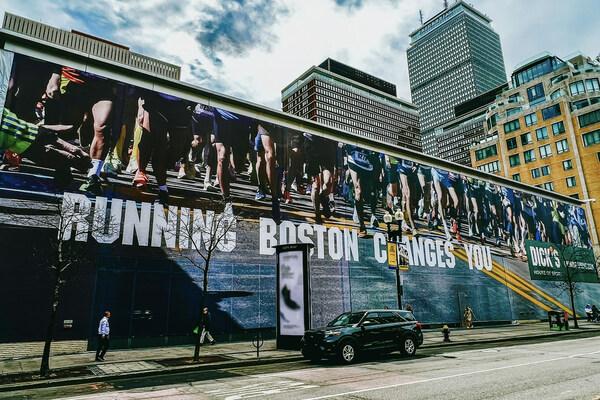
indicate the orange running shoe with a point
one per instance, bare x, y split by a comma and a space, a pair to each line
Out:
140, 180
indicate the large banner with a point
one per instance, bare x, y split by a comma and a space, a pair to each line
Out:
154, 162
555, 262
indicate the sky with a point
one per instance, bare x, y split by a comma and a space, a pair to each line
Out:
252, 49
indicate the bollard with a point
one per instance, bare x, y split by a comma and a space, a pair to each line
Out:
258, 342
446, 332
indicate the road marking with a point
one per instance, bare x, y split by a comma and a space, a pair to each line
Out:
260, 389
329, 396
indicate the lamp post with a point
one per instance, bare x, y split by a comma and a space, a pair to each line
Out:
397, 236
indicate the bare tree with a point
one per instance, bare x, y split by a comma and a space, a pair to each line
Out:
200, 236
572, 259
71, 218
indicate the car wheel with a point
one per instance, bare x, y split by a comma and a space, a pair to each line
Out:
347, 353
408, 346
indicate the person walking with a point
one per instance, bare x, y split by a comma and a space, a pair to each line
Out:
205, 327
469, 316
103, 336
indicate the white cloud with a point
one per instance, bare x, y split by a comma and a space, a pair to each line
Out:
371, 36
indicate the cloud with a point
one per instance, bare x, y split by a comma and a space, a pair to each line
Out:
236, 27
253, 48
350, 4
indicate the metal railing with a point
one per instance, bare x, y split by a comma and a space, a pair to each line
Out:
89, 45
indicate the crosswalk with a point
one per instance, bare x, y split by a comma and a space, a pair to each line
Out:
258, 389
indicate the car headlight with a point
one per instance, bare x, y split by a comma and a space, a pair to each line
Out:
333, 333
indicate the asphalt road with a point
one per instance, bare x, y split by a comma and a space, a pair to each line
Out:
567, 369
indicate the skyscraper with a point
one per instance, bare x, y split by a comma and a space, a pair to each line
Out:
452, 57
344, 97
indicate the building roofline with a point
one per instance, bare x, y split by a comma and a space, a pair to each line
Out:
367, 88
532, 60
36, 48
445, 10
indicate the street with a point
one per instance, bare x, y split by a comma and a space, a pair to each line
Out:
566, 369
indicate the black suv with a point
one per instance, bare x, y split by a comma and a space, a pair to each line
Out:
353, 333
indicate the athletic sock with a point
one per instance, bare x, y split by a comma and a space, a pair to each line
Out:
96, 168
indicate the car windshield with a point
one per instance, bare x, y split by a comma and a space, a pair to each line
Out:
346, 319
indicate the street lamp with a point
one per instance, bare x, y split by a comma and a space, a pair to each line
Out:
397, 235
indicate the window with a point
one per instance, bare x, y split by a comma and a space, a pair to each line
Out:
548, 186
526, 138
514, 98
567, 165
545, 151
530, 119
486, 152
492, 121
535, 173
556, 94
513, 111
514, 160
551, 112
511, 143
592, 85
558, 128
591, 138
577, 88
490, 168
545, 170
516, 177
571, 181
589, 118
562, 146
578, 105
535, 94
529, 156
512, 126
541, 133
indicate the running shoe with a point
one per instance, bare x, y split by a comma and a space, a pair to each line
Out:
140, 180
260, 195
362, 232
355, 216
287, 197
92, 185
331, 207
374, 222
112, 168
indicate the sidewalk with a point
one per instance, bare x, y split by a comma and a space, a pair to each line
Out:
81, 367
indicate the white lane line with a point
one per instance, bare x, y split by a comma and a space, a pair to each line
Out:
329, 396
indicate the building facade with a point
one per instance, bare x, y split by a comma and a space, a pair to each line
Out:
141, 256
455, 138
545, 129
452, 57
341, 96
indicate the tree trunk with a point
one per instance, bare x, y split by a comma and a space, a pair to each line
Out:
45, 365
202, 303
575, 324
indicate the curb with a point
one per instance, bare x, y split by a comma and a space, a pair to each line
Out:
142, 374
514, 338
244, 363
